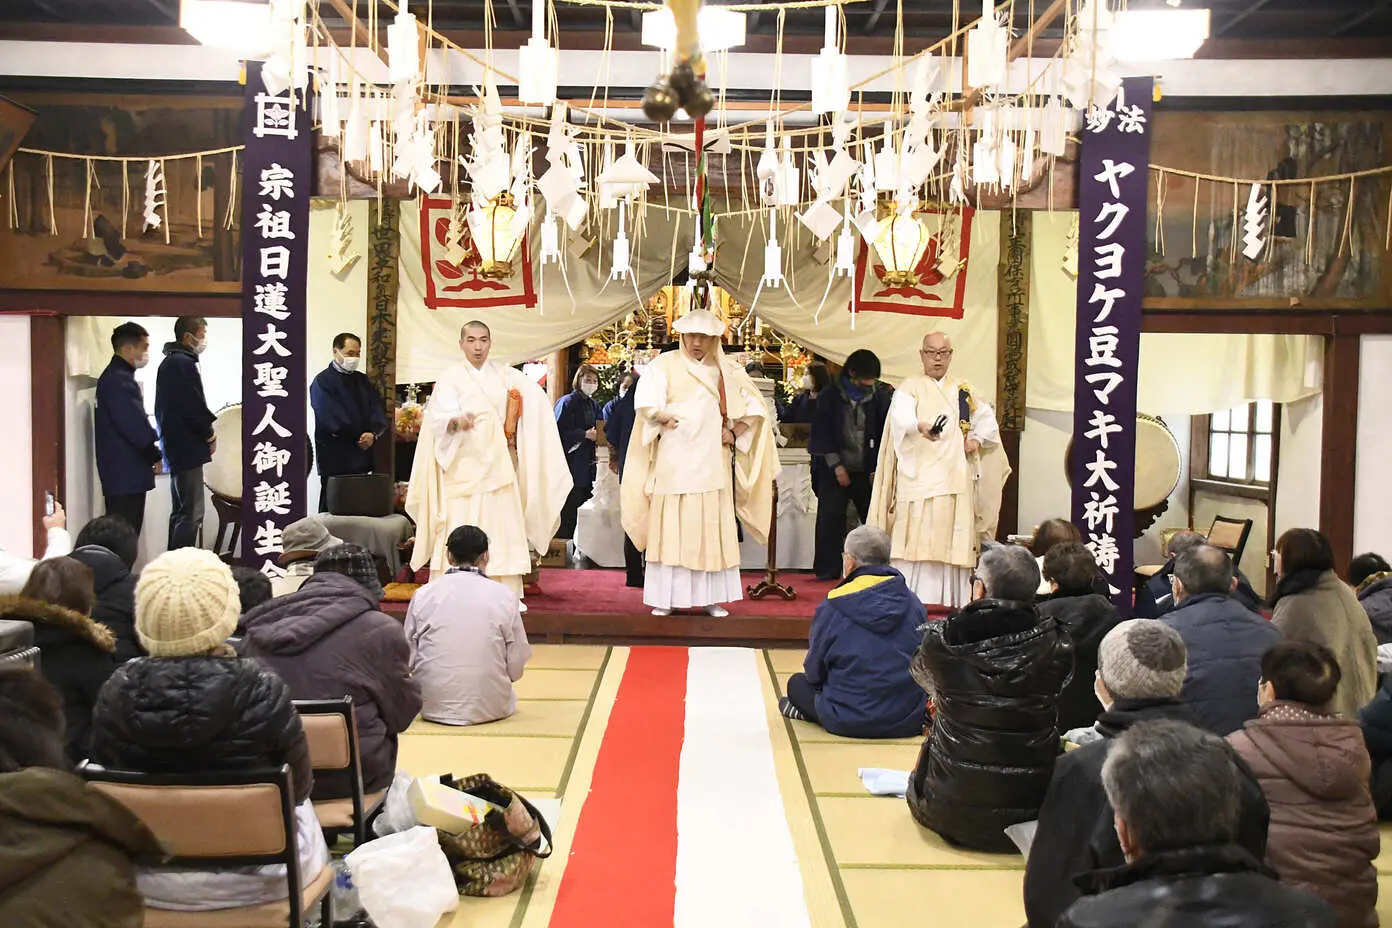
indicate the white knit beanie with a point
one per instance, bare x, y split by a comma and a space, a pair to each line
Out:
186, 603
1143, 659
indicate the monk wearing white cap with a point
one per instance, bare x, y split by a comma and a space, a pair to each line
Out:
702, 452
488, 455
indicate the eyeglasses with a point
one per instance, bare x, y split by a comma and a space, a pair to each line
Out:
941, 353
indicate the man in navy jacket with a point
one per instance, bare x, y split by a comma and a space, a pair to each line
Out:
186, 427
348, 415
856, 681
618, 419
127, 449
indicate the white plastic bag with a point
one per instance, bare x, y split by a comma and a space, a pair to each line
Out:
396, 815
404, 880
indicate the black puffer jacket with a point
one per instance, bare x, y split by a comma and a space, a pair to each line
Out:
1375, 596
74, 656
1212, 885
994, 670
1087, 617
115, 588
199, 715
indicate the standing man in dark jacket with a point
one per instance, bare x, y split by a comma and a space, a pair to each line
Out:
856, 680
186, 427
127, 451
618, 427
108, 546
576, 416
994, 671
1139, 675
1225, 640
845, 447
327, 640
1087, 616
1177, 793
348, 415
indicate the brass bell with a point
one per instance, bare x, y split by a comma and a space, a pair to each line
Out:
659, 101
700, 102
683, 80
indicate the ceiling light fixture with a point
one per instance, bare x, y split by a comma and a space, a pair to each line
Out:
719, 29
1158, 34
239, 25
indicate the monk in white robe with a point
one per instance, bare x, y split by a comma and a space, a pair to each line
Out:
469, 471
940, 473
702, 451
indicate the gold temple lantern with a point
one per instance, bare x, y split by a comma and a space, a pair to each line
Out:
900, 241
497, 230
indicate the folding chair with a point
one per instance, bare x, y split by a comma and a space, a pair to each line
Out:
332, 733
1230, 535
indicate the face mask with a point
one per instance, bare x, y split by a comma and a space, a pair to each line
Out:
350, 364
200, 346
623, 391
141, 361
807, 383
588, 388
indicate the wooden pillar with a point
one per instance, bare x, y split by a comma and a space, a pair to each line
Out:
558, 378
1012, 355
47, 417
1339, 445
384, 252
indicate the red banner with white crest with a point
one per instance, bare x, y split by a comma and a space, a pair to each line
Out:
938, 281
463, 284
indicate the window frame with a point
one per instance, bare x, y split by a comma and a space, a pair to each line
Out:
1201, 438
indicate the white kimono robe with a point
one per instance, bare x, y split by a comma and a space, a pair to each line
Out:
926, 492
680, 492
472, 477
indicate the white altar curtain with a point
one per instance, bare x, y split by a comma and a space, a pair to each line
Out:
1180, 373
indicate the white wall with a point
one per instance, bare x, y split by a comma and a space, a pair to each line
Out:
1372, 491
17, 463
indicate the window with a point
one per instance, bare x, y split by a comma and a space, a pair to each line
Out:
1240, 444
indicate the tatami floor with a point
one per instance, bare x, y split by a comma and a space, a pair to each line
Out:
864, 862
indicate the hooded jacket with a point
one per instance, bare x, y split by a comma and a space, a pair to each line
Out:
1328, 613
1076, 832
863, 636
66, 854
1225, 642
125, 442
185, 421
115, 588
327, 640
75, 655
1375, 596
1220, 885
1087, 617
199, 715
1314, 771
995, 670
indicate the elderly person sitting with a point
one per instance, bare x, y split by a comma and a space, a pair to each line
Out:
994, 671
1155, 598
1224, 639
1176, 795
856, 680
302, 540
1371, 578
1140, 671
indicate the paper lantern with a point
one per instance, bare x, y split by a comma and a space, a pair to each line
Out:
496, 236
900, 242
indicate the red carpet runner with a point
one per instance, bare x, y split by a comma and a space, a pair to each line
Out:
622, 867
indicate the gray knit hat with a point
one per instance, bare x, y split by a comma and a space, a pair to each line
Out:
351, 561
1142, 659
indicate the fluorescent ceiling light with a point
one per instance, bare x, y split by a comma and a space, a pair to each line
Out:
238, 25
1158, 35
719, 29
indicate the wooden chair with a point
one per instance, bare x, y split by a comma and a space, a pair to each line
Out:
229, 527
1230, 535
227, 819
332, 733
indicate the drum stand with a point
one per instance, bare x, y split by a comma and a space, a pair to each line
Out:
770, 586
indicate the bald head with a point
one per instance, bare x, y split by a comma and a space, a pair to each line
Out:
1203, 569
476, 341
936, 354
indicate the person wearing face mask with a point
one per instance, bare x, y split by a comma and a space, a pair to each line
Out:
618, 427
349, 415
185, 427
576, 415
127, 447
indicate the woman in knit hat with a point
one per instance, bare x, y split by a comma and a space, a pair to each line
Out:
1141, 665
193, 707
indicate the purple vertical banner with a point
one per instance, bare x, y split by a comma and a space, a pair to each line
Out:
275, 261
1112, 191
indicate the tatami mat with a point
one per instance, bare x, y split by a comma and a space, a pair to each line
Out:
555, 684
787, 660
566, 657
935, 899
834, 768
534, 718
880, 831
526, 764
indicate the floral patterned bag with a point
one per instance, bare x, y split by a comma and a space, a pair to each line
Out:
494, 857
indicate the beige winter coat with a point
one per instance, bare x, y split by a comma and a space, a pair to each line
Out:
1329, 614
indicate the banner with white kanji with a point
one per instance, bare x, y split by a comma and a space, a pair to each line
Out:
1111, 274
276, 187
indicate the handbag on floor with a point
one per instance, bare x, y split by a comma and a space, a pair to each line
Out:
494, 857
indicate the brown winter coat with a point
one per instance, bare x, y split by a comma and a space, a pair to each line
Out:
1323, 835
66, 854
1329, 613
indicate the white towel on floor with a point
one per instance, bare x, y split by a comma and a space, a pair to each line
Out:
883, 782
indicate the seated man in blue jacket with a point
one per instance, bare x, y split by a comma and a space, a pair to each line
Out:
1154, 598
856, 681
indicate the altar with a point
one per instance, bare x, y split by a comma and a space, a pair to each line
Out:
599, 533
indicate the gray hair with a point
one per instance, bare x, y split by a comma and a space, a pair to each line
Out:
867, 546
1204, 569
1183, 541
1008, 572
1174, 785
